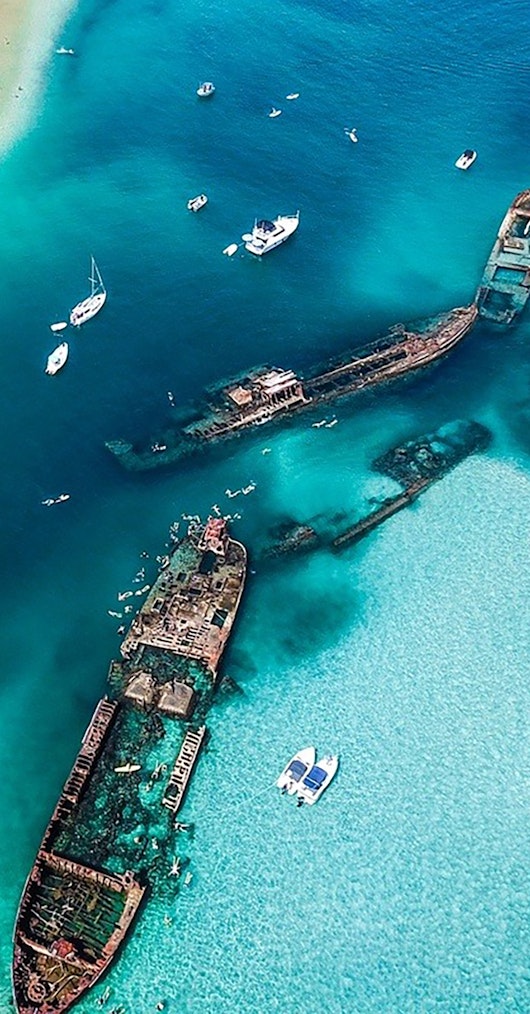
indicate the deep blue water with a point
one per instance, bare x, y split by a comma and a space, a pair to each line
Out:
407, 888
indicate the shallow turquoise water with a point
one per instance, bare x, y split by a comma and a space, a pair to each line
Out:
407, 887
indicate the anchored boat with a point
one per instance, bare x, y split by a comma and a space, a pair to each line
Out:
57, 359
88, 307
205, 89
317, 780
267, 235
294, 771
466, 159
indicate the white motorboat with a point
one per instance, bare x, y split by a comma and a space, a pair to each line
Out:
267, 235
65, 52
352, 133
296, 769
205, 89
317, 779
292, 95
60, 326
274, 113
127, 769
57, 359
196, 203
466, 159
88, 307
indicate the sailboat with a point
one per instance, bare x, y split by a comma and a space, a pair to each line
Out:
88, 307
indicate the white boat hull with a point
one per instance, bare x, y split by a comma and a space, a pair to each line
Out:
295, 770
57, 359
313, 785
262, 242
87, 309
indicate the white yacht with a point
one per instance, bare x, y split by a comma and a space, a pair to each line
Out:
205, 89
317, 779
88, 307
267, 235
57, 359
196, 203
296, 769
466, 159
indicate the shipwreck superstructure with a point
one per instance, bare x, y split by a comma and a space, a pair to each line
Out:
99, 854
505, 284
266, 394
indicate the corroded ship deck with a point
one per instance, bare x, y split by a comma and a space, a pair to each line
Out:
99, 854
505, 284
270, 394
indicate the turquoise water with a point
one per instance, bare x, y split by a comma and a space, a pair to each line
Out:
406, 888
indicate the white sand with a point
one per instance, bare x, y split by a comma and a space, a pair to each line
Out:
29, 31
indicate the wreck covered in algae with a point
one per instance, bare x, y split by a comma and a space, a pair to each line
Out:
112, 834
264, 395
505, 284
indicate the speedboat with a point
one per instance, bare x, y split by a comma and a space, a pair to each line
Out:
274, 113
317, 779
466, 159
267, 235
292, 95
294, 771
88, 307
57, 359
205, 89
352, 133
196, 203
65, 52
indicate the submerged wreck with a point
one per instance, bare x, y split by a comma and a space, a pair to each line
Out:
268, 394
111, 837
505, 284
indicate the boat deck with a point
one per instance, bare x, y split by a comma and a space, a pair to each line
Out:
505, 284
191, 608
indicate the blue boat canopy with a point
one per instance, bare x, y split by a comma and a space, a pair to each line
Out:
266, 226
296, 769
314, 779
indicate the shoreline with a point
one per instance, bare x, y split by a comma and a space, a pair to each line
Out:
28, 38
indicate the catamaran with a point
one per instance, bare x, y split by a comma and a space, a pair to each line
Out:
88, 307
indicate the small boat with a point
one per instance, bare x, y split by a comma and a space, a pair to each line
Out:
317, 779
65, 52
267, 235
127, 769
57, 359
292, 95
60, 326
296, 769
466, 159
88, 307
196, 203
274, 113
352, 133
231, 249
205, 89
62, 498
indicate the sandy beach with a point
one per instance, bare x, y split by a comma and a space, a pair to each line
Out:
28, 34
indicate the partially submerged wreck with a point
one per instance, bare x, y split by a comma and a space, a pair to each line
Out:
505, 284
267, 394
112, 834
